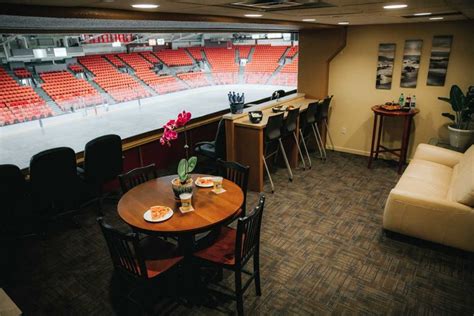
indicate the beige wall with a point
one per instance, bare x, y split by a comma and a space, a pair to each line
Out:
352, 82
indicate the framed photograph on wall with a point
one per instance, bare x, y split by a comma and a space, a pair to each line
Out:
439, 59
386, 56
411, 63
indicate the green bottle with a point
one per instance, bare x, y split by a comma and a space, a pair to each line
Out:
401, 100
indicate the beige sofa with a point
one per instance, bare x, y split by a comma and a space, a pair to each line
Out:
434, 198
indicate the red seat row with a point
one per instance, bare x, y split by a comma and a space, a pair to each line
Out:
265, 58
292, 51
221, 59
196, 52
175, 57
195, 79
19, 103
244, 51
22, 73
121, 86
106, 38
68, 91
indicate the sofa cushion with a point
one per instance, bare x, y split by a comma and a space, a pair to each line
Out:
427, 178
462, 185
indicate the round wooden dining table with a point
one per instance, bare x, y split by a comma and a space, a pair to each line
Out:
210, 209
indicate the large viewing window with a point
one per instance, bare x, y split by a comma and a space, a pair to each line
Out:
65, 89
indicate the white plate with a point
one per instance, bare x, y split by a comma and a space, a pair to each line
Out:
199, 184
147, 216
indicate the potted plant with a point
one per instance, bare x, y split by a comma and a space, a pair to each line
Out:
183, 183
461, 132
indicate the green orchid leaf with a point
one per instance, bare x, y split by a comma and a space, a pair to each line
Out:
182, 174
192, 162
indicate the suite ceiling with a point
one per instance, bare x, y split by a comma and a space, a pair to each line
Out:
356, 12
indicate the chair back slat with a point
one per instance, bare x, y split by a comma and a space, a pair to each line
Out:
248, 234
136, 177
124, 250
237, 173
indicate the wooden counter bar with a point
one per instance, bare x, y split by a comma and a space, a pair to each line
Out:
245, 140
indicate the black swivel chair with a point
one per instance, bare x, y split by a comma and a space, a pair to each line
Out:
273, 144
278, 94
55, 186
322, 116
103, 162
289, 129
213, 149
308, 125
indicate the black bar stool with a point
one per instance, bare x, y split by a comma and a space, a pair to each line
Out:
323, 115
289, 128
309, 125
273, 144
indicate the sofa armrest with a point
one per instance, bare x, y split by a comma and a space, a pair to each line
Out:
436, 154
430, 218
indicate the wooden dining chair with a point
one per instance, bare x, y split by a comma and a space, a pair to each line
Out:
237, 173
140, 261
137, 176
233, 249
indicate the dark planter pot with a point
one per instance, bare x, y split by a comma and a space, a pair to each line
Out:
236, 108
179, 188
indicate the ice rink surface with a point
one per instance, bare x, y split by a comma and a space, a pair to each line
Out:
21, 141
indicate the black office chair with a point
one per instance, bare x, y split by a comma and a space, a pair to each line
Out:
136, 177
16, 203
213, 149
322, 116
290, 129
278, 94
308, 125
237, 173
273, 144
55, 186
103, 162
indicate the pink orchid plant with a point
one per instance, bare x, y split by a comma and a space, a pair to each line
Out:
187, 165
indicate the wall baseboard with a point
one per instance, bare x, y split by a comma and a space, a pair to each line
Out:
351, 151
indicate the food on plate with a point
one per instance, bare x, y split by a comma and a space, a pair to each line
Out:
391, 107
205, 181
158, 212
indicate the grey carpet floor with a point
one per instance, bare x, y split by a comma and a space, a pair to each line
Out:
323, 251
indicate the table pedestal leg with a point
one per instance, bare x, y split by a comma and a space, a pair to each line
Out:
404, 147
379, 137
374, 131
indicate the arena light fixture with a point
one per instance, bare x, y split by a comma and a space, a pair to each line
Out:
422, 14
343, 23
395, 6
253, 15
436, 18
308, 20
145, 6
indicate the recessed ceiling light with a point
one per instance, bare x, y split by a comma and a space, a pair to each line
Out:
253, 15
145, 6
437, 18
309, 20
343, 23
422, 14
395, 6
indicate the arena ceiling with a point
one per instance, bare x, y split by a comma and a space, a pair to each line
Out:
356, 12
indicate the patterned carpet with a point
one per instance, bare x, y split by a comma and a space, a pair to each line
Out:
322, 251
